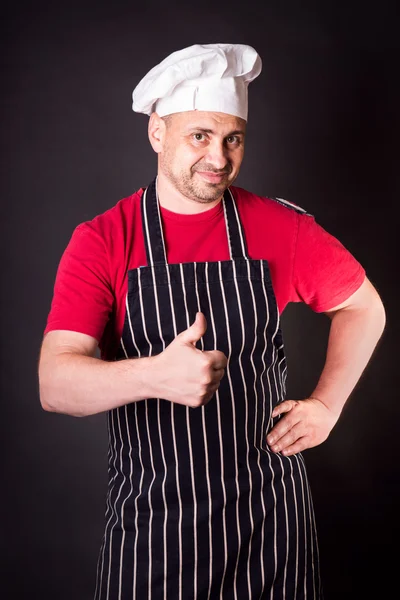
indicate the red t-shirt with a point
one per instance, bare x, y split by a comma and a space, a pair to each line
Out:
307, 264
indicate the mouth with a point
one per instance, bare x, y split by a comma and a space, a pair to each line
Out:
212, 177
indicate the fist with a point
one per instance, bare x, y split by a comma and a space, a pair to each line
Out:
186, 375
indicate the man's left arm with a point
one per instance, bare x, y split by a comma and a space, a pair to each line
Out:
356, 327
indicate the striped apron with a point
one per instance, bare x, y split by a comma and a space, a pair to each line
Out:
198, 507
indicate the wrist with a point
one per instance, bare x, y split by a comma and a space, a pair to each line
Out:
333, 406
142, 379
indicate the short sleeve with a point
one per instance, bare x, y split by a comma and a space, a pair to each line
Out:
325, 273
83, 298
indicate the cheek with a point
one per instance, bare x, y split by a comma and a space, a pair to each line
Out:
236, 160
187, 156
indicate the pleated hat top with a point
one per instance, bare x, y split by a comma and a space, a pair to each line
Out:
207, 77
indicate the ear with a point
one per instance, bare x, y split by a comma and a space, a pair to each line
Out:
156, 131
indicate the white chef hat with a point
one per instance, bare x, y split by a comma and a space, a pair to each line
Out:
211, 77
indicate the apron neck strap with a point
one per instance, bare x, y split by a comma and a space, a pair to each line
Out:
153, 233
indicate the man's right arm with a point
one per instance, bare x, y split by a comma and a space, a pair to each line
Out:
72, 381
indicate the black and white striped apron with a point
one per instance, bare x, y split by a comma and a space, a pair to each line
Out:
198, 507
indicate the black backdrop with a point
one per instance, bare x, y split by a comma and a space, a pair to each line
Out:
323, 132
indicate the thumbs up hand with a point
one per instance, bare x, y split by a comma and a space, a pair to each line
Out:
183, 373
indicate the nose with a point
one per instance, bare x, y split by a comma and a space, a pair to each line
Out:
216, 155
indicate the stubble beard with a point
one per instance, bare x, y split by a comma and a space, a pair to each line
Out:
188, 185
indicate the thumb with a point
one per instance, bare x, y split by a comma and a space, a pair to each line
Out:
195, 331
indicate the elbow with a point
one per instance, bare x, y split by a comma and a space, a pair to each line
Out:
45, 395
48, 400
44, 402
379, 312
55, 399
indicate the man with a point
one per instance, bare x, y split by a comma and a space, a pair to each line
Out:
182, 285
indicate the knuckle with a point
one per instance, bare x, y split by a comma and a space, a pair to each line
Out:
206, 365
206, 381
197, 402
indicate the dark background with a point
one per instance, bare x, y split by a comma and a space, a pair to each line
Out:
323, 132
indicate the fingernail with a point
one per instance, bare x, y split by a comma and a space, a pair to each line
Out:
270, 440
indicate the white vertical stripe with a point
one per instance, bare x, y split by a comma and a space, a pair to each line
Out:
191, 455
234, 433
206, 456
135, 561
115, 505
146, 224
112, 453
278, 380
101, 554
246, 428
239, 227
275, 524
130, 492
178, 486
150, 501
304, 523
255, 425
111, 484
311, 515
160, 221
164, 499
100, 562
149, 441
260, 444
158, 399
290, 460
287, 526
297, 523
265, 429
273, 356
116, 502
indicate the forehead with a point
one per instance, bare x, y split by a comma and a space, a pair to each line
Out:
213, 121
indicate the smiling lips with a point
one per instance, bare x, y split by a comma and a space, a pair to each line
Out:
212, 177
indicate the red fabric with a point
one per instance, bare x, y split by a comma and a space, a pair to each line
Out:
307, 263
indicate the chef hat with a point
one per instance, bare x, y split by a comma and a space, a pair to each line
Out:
211, 77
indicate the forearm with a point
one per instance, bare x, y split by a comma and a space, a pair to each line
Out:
81, 385
353, 336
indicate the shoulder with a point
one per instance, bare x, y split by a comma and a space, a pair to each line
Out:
269, 207
113, 221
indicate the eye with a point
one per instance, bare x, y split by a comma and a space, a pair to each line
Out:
199, 137
233, 139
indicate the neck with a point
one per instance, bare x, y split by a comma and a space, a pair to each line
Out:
170, 198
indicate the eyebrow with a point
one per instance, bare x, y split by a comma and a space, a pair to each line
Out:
203, 130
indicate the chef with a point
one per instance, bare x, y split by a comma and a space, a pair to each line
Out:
182, 285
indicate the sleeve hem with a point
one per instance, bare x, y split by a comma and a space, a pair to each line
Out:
85, 329
343, 295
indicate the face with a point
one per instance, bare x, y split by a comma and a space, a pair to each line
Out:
201, 153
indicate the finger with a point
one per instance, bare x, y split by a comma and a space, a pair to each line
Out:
300, 445
282, 427
284, 407
212, 388
192, 334
218, 374
219, 360
290, 438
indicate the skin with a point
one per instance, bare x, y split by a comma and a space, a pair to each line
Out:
199, 156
